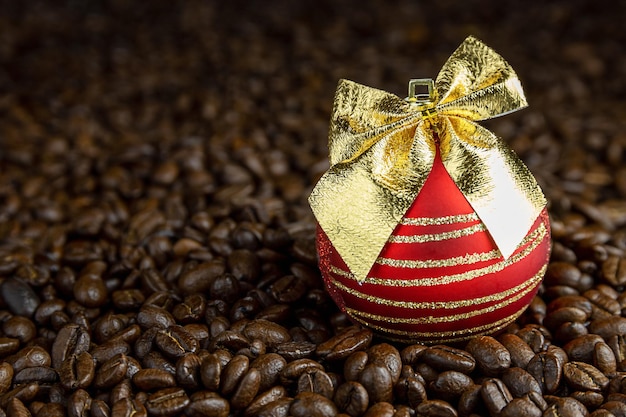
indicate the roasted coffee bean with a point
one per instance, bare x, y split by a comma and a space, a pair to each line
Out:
230, 340
152, 316
614, 270
128, 408
436, 408
491, 356
167, 402
270, 333
206, 403
16, 408
521, 407
8, 345
293, 370
210, 372
270, 366
6, 376
233, 372
155, 360
199, 279
354, 365
387, 355
581, 348
533, 337
340, 346
263, 399
90, 291
153, 379
547, 369
378, 382
20, 328
382, 409
519, 382
127, 299
412, 353
99, 408
564, 407
469, 400
277, 408
107, 350
123, 389
317, 381
556, 318
175, 341
608, 327
188, 371
411, 390
589, 399
351, 398
79, 403
310, 404
496, 395
41, 374
51, 410
72, 339
585, 377
604, 359
111, 372
295, 350
444, 358
247, 389
28, 357
450, 384
77, 371
616, 408
519, 350
20, 297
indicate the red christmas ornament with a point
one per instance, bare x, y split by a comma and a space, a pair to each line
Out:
440, 277
430, 228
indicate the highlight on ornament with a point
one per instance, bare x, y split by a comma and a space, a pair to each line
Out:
430, 228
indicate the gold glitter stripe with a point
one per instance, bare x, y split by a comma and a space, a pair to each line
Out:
443, 319
462, 334
437, 237
537, 236
467, 259
437, 221
444, 304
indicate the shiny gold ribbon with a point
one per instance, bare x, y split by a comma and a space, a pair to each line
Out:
382, 149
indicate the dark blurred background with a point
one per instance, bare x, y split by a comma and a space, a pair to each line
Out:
261, 74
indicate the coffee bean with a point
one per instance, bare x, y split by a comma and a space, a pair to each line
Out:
436, 408
16, 408
519, 382
20, 328
583, 376
233, 372
310, 404
19, 297
199, 279
496, 395
153, 379
6, 376
521, 407
270, 333
388, 356
491, 356
107, 350
446, 358
293, 370
564, 407
77, 371
382, 409
28, 357
127, 299
589, 399
206, 403
79, 403
247, 389
210, 372
317, 381
450, 384
295, 350
126, 407
603, 301
378, 382
167, 402
100, 409
111, 372
277, 408
90, 291
71, 340
614, 270
175, 341
351, 398
470, 400
155, 360
608, 327
547, 369
152, 316
345, 343
519, 350
188, 371
411, 390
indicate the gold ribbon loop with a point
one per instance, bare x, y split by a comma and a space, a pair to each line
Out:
382, 149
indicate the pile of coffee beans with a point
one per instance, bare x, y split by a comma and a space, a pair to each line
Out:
157, 251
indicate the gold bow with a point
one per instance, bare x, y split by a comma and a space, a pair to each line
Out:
382, 149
